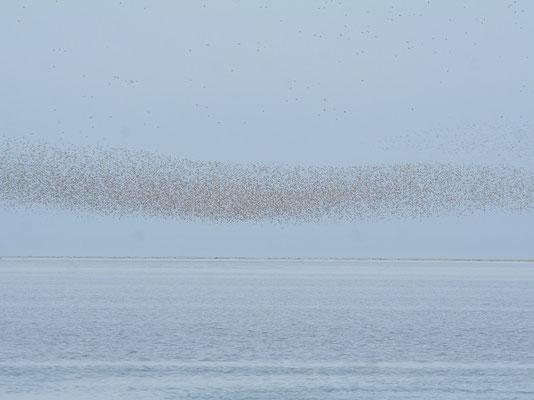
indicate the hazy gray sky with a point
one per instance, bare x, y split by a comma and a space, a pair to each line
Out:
292, 82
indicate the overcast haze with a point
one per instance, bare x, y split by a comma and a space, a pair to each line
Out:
299, 83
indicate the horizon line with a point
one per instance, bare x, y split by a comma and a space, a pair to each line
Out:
251, 258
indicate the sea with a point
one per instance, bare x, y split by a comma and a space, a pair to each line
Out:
173, 328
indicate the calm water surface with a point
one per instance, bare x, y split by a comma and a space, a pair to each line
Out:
242, 329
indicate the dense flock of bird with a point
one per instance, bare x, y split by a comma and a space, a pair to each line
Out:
124, 182
127, 182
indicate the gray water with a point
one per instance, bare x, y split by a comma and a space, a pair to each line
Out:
271, 329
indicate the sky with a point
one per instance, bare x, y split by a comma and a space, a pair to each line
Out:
339, 83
